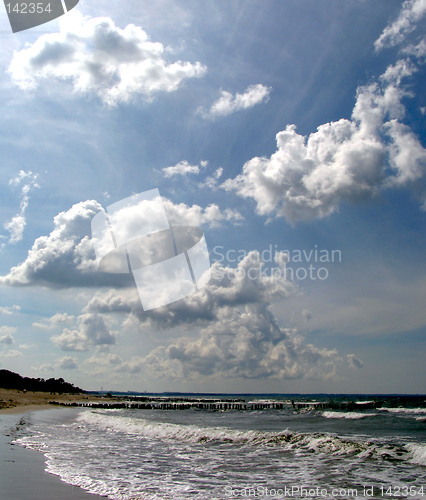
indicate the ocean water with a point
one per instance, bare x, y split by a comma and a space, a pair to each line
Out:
210, 455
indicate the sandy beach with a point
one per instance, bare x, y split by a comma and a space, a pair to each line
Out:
22, 471
12, 401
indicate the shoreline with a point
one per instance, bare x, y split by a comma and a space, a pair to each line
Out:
22, 470
17, 410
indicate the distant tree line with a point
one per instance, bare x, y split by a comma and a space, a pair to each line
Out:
11, 380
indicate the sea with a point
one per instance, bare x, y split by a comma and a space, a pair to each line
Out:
157, 454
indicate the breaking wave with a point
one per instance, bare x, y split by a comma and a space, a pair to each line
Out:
287, 440
352, 415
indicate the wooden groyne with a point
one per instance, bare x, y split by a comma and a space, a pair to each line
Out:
202, 406
222, 405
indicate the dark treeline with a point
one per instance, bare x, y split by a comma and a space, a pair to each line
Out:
10, 380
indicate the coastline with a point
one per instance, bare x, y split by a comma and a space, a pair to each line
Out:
22, 470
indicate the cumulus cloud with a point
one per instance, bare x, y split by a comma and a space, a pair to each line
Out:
43, 368
97, 57
183, 168
9, 310
104, 363
246, 343
13, 353
67, 363
211, 182
66, 256
343, 161
228, 287
6, 339
418, 50
412, 12
16, 225
354, 362
91, 330
194, 215
348, 160
53, 322
229, 103
239, 335
7, 329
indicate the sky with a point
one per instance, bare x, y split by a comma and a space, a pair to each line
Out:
291, 132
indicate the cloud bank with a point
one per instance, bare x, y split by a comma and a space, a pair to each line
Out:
239, 334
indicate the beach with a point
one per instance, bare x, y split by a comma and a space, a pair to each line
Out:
159, 453
12, 401
22, 471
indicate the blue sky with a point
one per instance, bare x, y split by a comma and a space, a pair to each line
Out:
295, 126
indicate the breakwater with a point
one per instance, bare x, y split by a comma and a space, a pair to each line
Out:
220, 404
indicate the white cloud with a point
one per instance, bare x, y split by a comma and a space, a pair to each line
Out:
23, 176
96, 57
92, 330
9, 310
26, 346
245, 343
395, 73
346, 160
66, 256
418, 50
183, 168
7, 329
135, 364
44, 368
17, 224
406, 155
228, 287
354, 362
67, 363
218, 173
105, 363
13, 353
53, 322
239, 337
229, 103
16, 227
195, 215
411, 13
212, 181
6, 338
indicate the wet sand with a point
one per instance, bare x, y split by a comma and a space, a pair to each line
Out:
22, 471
